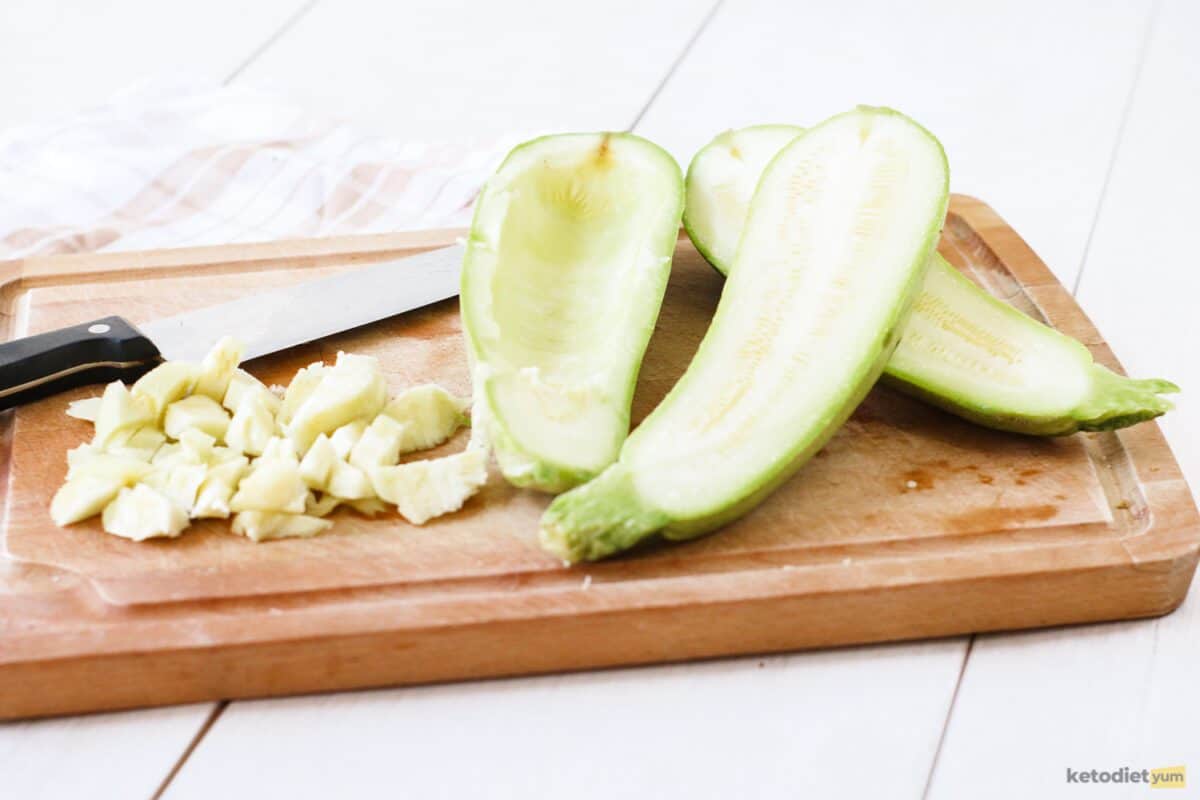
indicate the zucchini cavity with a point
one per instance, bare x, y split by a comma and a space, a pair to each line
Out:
566, 264
962, 349
836, 242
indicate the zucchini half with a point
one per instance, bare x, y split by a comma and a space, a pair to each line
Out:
962, 349
566, 264
838, 236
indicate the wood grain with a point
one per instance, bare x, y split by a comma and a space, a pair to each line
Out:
910, 524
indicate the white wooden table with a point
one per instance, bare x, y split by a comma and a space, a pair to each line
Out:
1076, 120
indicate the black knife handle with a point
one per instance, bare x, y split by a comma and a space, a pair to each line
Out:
102, 350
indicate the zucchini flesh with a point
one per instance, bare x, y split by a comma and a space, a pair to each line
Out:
566, 264
836, 242
720, 183
962, 349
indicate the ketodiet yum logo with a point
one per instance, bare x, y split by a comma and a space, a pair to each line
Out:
1157, 778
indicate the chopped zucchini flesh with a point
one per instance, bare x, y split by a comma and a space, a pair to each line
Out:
368, 506
142, 513
281, 448
252, 426
180, 482
352, 389
303, 384
273, 484
215, 493
422, 490
85, 409
198, 445
145, 486
345, 437
381, 443
121, 411
317, 464
83, 497
322, 507
217, 369
196, 411
430, 416
166, 383
243, 385
99, 464
141, 443
263, 525
349, 482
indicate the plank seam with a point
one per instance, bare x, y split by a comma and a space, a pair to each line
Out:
1126, 113
687, 48
288, 24
213, 715
937, 752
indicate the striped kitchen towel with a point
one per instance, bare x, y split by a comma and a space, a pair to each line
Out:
171, 163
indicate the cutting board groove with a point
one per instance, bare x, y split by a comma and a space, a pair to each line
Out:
910, 523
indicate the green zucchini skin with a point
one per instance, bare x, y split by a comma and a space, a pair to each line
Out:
1115, 402
661, 482
949, 300
1103, 400
567, 262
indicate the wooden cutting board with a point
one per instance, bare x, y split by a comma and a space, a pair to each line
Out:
911, 523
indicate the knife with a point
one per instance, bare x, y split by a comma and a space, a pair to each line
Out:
111, 348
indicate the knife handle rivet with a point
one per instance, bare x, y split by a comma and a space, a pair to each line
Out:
99, 327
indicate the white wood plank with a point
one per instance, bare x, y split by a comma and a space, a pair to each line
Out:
57, 57
1026, 96
457, 68
1107, 696
100, 756
781, 726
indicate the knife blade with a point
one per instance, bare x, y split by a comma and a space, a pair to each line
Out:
113, 349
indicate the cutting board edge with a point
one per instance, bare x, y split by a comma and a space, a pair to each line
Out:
393, 658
